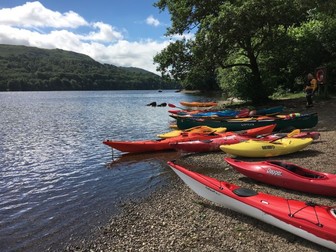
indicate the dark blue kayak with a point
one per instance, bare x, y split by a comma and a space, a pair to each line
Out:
302, 121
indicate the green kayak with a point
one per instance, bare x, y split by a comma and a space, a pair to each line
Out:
302, 121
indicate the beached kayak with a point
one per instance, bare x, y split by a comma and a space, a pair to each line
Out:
287, 175
155, 145
303, 121
229, 113
225, 138
315, 135
197, 129
198, 104
214, 144
308, 220
256, 148
210, 144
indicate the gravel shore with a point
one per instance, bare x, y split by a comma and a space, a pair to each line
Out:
174, 218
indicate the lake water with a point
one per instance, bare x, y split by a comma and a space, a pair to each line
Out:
58, 181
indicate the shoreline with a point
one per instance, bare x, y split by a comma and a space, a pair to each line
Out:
174, 218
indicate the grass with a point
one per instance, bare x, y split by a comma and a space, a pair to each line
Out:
284, 96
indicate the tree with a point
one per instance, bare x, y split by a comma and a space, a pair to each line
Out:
232, 36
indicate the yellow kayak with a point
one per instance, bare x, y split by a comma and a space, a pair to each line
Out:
197, 129
255, 148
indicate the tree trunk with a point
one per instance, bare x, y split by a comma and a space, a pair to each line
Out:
256, 89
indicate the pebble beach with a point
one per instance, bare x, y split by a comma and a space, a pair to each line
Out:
174, 218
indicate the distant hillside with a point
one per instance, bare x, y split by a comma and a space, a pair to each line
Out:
25, 68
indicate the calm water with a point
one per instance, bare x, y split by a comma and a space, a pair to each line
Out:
57, 179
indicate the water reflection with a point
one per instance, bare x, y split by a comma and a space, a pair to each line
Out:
130, 158
54, 178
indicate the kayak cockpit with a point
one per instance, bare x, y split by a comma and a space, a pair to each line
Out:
244, 192
298, 170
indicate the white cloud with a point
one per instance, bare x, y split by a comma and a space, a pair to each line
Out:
136, 54
34, 14
106, 33
32, 24
152, 21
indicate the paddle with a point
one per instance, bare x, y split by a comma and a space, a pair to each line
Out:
291, 134
190, 129
173, 106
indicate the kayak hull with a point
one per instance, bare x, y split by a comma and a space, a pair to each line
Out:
299, 122
198, 129
208, 145
198, 104
253, 148
214, 144
307, 220
154, 145
287, 175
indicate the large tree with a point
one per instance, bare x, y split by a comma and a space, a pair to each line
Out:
231, 39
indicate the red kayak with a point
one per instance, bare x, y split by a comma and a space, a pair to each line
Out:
312, 134
287, 175
164, 144
210, 145
156, 145
308, 220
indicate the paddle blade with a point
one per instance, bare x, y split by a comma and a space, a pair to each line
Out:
171, 105
293, 133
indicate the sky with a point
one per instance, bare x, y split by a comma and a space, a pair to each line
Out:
126, 33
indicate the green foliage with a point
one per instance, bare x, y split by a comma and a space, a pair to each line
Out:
250, 47
27, 68
234, 81
282, 93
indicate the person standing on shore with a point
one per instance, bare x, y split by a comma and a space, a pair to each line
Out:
310, 89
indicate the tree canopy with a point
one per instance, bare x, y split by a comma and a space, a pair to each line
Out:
248, 48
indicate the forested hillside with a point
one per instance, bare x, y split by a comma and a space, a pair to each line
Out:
28, 69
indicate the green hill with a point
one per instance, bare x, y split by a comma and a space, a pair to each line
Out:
25, 68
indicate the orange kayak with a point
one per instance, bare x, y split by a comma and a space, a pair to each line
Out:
198, 104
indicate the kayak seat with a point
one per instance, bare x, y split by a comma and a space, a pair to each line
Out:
310, 175
244, 192
289, 167
296, 170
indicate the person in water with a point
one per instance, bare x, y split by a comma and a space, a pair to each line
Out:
310, 89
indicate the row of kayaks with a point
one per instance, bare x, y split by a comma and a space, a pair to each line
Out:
197, 133
285, 121
306, 219
234, 120
261, 146
255, 142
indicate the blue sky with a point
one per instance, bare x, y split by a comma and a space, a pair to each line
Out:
119, 32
